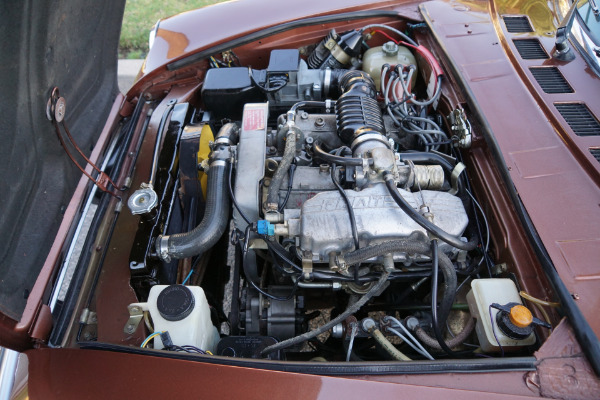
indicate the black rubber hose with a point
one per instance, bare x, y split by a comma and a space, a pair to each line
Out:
439, 319
282, 170
450, 284
427, 158
291, 172
351, 215
229, 133
331, 159
325, 327
422, 221
313, 104
455, 341
416, 243
213, 225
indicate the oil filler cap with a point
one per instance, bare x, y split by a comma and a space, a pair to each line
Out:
175, 302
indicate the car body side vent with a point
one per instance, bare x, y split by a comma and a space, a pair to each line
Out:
517, 24
551, 80
579, 118
530, 49
595, 153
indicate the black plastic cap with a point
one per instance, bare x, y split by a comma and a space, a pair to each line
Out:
351, 43
510, 329
175, 302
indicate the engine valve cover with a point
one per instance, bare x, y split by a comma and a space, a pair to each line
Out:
324, 226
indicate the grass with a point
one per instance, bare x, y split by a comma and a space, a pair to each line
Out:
141, 15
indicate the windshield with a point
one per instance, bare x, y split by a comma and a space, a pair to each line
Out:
589, 17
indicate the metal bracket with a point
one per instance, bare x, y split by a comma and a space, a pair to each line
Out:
458, 169
88, 317
460, 127
307, 267
136, 313
55, 112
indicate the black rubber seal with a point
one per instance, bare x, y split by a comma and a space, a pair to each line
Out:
338, 368
277, 29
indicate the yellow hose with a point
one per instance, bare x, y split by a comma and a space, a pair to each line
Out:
147, 322
544, 313
529, 297
389, 347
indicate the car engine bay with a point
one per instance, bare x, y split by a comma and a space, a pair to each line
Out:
319, 209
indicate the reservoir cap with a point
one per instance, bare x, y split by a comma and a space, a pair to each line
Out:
175, 302
390, 49
520, 316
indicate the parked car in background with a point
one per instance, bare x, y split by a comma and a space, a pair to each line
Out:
326, 199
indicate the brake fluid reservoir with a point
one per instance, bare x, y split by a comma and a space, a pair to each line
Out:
484, 293
390, 53
182, 311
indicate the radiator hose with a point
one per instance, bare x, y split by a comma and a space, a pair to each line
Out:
216, 213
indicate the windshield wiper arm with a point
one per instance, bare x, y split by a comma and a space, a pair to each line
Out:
563, 51
594, 7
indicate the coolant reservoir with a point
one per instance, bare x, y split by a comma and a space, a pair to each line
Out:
390, 53
485, 292
183, 312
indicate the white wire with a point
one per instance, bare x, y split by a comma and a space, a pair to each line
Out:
399, 324
352, 336
415, 348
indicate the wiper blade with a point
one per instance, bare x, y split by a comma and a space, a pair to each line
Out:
562, 50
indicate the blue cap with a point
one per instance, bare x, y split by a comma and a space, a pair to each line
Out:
264, 227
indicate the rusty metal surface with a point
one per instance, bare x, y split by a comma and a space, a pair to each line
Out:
563, 371
108, 375
557, 185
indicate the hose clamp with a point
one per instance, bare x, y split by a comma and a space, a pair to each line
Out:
327, 82
224, 140
218, 163
162, 247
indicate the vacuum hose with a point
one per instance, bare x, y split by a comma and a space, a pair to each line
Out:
282, 170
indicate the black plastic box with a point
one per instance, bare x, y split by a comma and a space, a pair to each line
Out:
226, 90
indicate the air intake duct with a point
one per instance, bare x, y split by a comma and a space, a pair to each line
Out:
358, 116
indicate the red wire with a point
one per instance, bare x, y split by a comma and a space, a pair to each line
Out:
386, 35
416, 48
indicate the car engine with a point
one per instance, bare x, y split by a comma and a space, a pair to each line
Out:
333, 181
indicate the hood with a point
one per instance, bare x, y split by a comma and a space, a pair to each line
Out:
71, 45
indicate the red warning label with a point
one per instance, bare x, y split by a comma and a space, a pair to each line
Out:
254, 119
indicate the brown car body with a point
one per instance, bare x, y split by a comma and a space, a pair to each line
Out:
525, 161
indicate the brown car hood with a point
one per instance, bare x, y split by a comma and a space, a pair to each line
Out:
546, 161
71, 45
